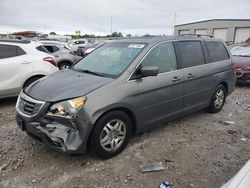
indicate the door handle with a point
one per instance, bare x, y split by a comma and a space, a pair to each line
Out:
26, 62
176, 79
190, 75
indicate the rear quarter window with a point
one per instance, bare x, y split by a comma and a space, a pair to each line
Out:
20, 51
217, 51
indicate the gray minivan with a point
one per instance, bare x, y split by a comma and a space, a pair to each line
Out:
125, 87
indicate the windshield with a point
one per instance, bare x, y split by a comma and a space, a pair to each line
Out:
111, 59
241, 51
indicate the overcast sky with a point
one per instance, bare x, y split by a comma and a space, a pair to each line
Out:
129, 16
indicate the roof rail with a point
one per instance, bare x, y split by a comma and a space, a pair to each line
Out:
197, 35
16, 41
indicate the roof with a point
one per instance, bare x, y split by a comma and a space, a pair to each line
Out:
212, 20
16, 41
150, 39
157, 39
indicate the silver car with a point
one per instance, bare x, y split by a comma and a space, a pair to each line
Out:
125, 87
65, 57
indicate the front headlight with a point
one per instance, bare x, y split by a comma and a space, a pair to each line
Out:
67, 109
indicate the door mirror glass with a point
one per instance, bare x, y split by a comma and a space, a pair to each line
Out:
149, 71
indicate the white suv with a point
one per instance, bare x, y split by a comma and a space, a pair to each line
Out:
21, 63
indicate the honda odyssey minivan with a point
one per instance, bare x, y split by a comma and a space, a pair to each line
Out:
125, 87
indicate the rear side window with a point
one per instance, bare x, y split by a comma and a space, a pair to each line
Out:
7, 51
163, 57
191, 53
42, 49
51, 49
217, 51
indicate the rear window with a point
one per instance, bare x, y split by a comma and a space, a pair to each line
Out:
217, 51
191, 53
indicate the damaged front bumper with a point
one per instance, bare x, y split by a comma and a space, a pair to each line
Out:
66, 135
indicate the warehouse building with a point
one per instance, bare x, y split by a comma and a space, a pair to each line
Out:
230, 30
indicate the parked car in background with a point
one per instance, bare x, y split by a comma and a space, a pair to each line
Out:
22, 64
62, 53
79, 42
241, 59
63, 44
125, 87
85, 50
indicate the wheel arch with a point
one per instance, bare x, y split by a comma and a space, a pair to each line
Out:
32, 77
125, 110
224, 83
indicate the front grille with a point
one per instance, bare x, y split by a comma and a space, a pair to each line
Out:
238, 73
28, 105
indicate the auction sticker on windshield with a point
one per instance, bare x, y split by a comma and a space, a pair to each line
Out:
136, 46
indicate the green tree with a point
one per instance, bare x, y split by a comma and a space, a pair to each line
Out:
52, 33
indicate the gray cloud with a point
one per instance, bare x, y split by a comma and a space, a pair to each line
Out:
129, 16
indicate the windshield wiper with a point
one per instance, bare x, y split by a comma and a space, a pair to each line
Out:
89, 72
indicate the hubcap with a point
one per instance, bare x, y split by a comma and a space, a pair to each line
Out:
113, 135
64, 66
219, 98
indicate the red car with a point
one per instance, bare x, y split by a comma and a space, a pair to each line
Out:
241, 59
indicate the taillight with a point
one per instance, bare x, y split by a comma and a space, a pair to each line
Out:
84, 49
234, 68
50, 60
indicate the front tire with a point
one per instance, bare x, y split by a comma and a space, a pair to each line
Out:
218, 99
111, 134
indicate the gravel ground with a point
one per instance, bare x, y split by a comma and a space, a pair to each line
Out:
199, 150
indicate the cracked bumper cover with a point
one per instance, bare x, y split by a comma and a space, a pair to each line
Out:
66, 135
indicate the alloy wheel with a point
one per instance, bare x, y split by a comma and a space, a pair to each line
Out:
113, 135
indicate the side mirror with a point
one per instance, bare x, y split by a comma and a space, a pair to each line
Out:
149, 71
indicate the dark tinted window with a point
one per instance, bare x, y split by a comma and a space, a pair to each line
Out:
191, 53
217, 51
20, 51
42, 49
51, 49
80, 42
162, 56
7, 51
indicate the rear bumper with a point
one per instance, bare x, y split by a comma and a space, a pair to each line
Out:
65, 135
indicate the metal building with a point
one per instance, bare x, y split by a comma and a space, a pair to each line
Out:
230, 30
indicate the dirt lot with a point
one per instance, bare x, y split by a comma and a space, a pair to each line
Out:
199, 150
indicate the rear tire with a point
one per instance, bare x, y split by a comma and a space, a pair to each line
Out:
218, 99
64, 65
111, 134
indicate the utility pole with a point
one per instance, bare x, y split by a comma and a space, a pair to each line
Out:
100, 29
111, 25
174, 22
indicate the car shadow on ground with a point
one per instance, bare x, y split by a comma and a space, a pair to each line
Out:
8, 101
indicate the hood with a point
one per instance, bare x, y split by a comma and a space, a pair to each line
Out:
65, 84
241, 61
